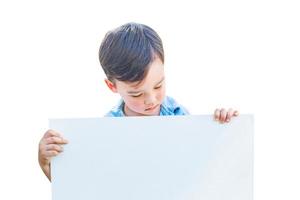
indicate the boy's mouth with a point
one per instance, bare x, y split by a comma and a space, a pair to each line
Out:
152, 108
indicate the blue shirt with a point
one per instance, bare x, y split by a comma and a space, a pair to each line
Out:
168, 107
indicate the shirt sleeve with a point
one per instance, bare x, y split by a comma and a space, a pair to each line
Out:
180, 110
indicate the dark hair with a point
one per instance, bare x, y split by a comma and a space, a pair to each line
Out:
126, 52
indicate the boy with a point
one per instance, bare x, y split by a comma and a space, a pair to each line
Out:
132, 58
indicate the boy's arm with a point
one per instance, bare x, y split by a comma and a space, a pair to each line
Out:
50, 146
222, 115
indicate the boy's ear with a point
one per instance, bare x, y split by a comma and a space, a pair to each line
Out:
111, 85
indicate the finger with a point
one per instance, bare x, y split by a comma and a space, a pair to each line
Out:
51, 133
217, 114
54, 147
56, 140
229, 114
49, 154
223, 115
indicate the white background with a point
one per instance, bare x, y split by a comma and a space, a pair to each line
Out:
240, 54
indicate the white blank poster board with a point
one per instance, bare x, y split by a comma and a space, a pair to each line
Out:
154, 158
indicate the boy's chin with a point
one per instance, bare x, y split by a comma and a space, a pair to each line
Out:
152, 112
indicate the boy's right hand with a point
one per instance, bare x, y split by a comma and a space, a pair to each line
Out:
50, 146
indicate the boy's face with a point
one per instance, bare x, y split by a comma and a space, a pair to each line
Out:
146, 97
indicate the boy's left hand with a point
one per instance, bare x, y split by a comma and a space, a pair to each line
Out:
224, 116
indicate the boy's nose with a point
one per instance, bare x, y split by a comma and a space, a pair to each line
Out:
150, 100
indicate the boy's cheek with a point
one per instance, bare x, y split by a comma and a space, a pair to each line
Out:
136, 105
161, 95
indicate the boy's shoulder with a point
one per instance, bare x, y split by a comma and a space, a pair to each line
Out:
117, 110
168, 107
171, 107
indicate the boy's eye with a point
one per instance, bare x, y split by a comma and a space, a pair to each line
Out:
136, 95
157, 87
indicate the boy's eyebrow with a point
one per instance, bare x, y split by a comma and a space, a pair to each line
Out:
134, 92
